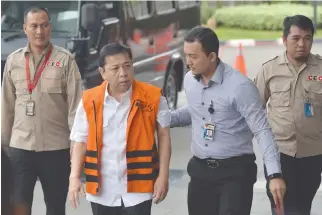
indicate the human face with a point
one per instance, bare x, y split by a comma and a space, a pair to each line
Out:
298, 43
118, 71
37, 27
196, 58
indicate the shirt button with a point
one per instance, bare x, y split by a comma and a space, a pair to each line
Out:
203, 118
202, 103
206, 144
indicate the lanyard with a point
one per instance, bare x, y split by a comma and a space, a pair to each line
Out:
32, 85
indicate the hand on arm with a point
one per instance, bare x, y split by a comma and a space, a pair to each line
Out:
180, 117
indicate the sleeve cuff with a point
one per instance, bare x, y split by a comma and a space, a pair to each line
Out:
273, 167
78, 137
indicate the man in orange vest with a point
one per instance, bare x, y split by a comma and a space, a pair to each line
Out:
114, 139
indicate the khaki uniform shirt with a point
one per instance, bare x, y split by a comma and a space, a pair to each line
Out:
56, 95
286, 91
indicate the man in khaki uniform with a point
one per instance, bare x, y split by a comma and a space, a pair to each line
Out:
40, 93
292, 85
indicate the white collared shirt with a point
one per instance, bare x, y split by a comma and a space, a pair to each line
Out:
113, 159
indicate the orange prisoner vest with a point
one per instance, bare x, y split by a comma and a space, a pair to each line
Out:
141, 151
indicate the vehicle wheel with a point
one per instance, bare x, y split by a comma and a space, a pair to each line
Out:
171, 90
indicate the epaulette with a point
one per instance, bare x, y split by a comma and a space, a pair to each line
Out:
72, 56
270, 60
15, 52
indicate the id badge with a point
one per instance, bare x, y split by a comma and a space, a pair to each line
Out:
30, 108
308, 109
209, 131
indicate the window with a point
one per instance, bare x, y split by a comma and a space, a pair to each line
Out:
64, 15
185, 4
139, 8
164, 6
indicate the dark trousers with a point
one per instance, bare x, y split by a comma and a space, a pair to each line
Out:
302, 178
51, 167
143, 208
224, 190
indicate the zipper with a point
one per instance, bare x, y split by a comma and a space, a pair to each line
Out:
96, 140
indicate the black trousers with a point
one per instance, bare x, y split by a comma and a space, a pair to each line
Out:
303, 178
224, 190
51, 167
143, 208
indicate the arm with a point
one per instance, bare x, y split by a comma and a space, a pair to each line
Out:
74, 90
8, 100
181, 117
164, 142
79, 135
260, 83
252, 109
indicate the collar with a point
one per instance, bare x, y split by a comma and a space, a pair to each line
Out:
218, 75
310, 61
138, 94
27, 48
126, 95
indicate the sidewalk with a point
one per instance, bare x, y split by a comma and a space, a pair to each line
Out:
254, 42
175, 203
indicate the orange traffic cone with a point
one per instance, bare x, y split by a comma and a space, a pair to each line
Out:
136, 36
240, 61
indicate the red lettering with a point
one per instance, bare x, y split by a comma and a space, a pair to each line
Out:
48, 63
320, 78
58, 64
310, 78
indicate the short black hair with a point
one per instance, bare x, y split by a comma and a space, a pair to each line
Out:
113, 49
206, 37
36, 9
300, 21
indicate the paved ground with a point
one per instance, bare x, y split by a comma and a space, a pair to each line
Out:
175, 203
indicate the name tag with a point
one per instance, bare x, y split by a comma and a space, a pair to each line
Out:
30, 108
308, 109
209, 131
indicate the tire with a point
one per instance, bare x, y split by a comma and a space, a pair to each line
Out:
170, 90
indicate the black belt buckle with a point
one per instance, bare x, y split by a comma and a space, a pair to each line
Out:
213, 164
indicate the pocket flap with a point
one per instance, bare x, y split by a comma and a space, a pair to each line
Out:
56, 73
281, 87
313, 87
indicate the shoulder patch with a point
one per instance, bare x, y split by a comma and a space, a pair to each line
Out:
270, 60
61, 49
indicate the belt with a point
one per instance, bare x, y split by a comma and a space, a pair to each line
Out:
233, 161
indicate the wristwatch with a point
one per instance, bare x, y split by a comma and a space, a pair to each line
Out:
275, 175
